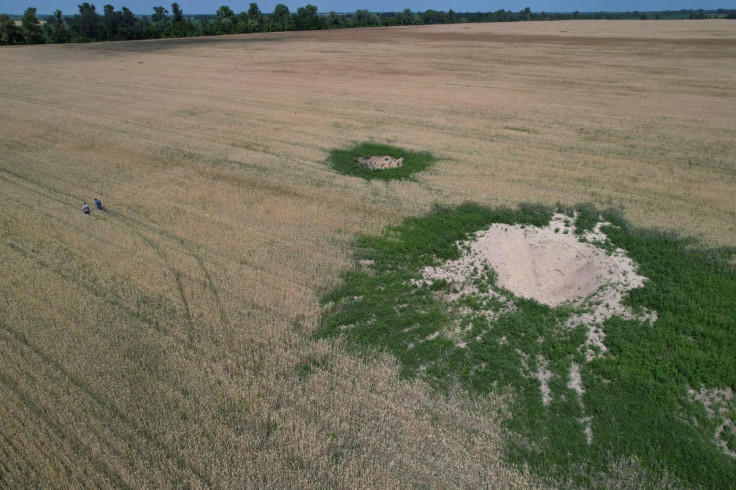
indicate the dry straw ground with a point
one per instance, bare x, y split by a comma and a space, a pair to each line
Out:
167, 342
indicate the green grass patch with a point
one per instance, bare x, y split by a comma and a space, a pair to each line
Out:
636, 398
587, 218
346, 161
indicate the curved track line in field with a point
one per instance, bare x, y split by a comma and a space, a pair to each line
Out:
132, 224
152, 244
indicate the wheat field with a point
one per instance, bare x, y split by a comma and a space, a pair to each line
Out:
168, 341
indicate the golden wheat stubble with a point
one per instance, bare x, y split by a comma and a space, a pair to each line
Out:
164, 341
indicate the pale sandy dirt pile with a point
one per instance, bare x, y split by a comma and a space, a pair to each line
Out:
380, 162
553, 266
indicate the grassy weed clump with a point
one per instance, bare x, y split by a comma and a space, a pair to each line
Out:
586, 220
636, 402
346, 161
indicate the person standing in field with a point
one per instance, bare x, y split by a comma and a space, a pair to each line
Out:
98, 203
85, 208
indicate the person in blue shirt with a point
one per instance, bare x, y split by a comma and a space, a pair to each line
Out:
85, 208
98, 203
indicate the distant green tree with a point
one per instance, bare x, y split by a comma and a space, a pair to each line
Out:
365, 18
128, 28
254, 10
31, 28
177, 12
224, 12
179, 26
410, 17
306, 18
57, 29
110, 22
88, 22
159, 21
254, 18
145, 29
9, 32
281, 18
433, 17
226, 20
206, 28
404, 18
334, 20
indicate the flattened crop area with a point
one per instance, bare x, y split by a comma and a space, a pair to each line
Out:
169, 341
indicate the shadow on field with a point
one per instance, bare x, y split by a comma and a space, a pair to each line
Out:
153, 45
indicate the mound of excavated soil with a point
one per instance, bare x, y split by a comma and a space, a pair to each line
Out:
552, 266
380, 162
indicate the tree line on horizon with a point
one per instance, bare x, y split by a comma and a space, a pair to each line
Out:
122, 25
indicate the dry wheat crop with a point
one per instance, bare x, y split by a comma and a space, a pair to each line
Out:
168, 341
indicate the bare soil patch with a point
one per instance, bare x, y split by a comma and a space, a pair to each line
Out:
550, 265
380, 162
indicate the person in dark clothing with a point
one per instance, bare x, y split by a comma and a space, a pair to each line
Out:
85, 208
98, 203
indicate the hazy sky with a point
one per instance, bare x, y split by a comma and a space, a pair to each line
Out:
205, 7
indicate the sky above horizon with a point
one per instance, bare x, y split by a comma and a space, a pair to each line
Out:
145, 7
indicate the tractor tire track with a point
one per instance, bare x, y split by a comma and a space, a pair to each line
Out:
126, 221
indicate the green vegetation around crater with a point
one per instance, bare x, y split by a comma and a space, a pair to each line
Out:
346, 161
659, 392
